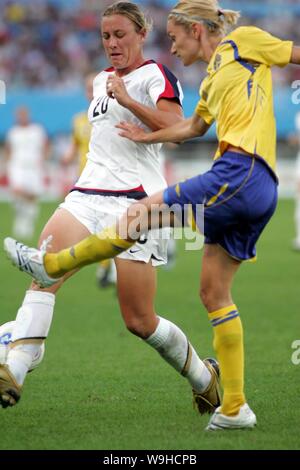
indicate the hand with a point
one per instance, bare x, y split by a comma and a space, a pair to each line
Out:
133, 132
115, 88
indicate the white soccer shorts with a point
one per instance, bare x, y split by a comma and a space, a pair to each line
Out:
97, 212
30, 181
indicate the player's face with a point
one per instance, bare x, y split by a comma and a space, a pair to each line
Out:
22, 117
122, 43
184, 43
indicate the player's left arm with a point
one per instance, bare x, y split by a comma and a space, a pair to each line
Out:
295, 58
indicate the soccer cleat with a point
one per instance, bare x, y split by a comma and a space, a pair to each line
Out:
245, 419
30, 260
210, 399
10, 391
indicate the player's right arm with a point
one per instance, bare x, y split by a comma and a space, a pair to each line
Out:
7, 151
179, 132
7, 146
46, 147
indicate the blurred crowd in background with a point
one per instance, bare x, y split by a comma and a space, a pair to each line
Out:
47, 47
54, 43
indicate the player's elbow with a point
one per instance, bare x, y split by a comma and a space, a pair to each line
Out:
201, 132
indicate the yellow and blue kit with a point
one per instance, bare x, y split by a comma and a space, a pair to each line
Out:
239, 193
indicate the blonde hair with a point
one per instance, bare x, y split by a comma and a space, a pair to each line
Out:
132, 12
208, 12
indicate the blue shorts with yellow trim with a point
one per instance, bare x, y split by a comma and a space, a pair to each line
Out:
239, 194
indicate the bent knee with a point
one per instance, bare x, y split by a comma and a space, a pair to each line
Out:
206, 295
214, 297
138, 328
140, 325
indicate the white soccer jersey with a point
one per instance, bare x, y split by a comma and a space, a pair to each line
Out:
116, 165
26, 145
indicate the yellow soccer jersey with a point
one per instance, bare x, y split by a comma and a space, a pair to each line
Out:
81, 137
237, 92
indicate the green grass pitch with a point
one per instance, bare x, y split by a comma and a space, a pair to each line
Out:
99, 387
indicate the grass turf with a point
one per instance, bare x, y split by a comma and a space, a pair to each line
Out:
101, 388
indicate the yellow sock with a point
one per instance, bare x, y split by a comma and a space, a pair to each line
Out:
228, 344
103, 245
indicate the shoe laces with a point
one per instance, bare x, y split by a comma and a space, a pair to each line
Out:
25, 257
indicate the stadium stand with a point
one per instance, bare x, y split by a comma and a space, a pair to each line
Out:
48, 46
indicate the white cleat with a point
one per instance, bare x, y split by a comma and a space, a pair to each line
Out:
30, 260
245, 419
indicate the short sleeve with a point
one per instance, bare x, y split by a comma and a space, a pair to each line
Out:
202, 111
164, 85
259, 46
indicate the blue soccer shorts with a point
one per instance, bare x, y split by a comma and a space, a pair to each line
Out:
239, 196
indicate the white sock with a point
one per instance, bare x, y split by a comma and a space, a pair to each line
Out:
18, 220
33, 322
171, 343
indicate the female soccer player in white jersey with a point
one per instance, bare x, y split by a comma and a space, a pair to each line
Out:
118, 172
26, 150
239, 193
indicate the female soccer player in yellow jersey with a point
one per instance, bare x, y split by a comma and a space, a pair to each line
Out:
239, 192
117, 173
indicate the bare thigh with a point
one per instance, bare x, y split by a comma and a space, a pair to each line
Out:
136, 292
65, 230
